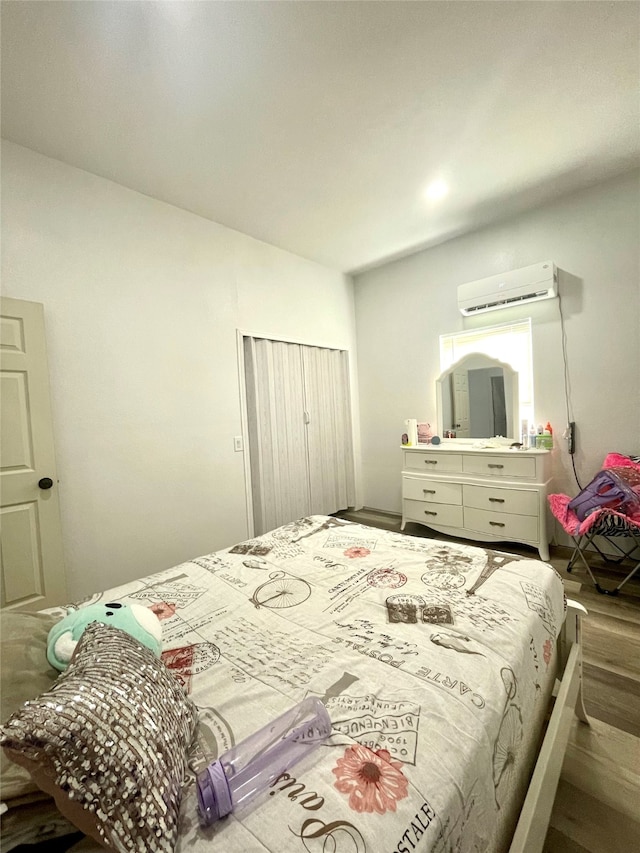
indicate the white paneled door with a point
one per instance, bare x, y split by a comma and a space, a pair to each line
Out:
460, 381
300, 434
329, 438
32, 569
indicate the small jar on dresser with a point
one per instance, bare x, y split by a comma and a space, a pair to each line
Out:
488, 494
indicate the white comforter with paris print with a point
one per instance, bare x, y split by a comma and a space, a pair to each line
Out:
434, 661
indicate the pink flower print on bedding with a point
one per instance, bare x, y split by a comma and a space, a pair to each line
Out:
373, 780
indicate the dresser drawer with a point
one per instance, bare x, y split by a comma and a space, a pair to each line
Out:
433, 462
501, 525
518, 501
515, 466
430, 513
431, 490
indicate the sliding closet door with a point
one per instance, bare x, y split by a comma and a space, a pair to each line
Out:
329, 434
299, 424
277, 439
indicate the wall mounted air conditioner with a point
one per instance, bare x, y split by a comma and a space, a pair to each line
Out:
529, 284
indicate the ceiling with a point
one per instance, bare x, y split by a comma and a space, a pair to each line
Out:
316, 126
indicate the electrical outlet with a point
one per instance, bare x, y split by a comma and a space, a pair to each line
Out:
571, 437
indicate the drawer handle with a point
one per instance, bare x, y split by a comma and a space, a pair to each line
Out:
493, 465
428, 512
497, 524
430, 461
428, 491
496, 500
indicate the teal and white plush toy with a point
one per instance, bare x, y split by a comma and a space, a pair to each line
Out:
135, 619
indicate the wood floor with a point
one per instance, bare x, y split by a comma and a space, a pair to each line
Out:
597, 807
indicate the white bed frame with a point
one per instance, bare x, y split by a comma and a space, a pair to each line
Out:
531, 830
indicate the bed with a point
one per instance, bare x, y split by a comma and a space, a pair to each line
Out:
439, 664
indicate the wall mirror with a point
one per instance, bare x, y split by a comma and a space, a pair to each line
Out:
477, 397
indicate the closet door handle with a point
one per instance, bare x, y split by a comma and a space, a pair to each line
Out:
496, 500
496, 523
493, 465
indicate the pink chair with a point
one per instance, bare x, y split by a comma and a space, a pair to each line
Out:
613, 519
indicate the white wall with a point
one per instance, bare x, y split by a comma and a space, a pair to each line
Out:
142, 303
403, 307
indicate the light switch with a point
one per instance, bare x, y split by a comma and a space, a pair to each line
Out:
237, 443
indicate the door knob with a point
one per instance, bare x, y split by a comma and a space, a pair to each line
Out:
45, 483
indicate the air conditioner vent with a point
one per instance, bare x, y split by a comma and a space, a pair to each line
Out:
530, 284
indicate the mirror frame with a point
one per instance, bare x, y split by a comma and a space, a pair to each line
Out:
481, 360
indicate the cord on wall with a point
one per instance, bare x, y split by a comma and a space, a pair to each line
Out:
570, 431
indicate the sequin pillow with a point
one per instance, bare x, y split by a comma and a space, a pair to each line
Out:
109, 741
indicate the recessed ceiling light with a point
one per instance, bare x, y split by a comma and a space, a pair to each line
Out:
436, 190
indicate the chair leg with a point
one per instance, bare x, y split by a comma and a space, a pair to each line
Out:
604, 591
581, 542
622, 583
574, 556
623, 555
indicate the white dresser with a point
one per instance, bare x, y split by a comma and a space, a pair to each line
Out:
488, 494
